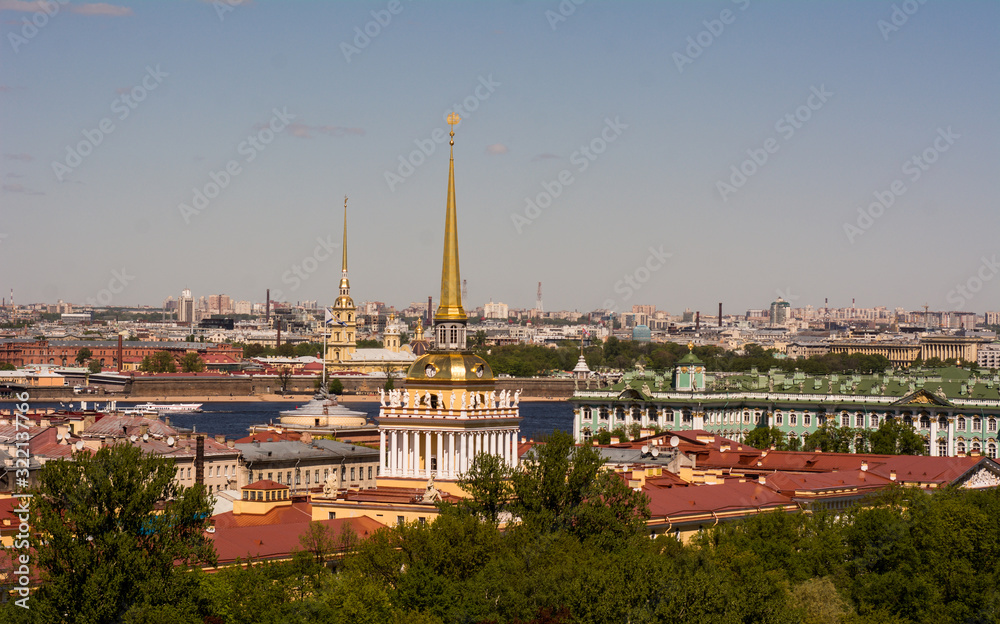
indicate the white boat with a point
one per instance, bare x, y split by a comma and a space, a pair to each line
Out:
168, 408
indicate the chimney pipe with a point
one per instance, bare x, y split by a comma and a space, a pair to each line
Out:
199, 461
430, 311
267, 308
720, 314
697, 321
119, 353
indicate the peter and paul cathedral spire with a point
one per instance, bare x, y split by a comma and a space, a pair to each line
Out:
342, 331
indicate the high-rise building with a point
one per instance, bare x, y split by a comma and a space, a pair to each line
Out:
779, 311
185, 307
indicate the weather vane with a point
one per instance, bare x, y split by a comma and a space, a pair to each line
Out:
453, 120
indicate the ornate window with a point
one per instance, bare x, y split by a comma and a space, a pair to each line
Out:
976, 447
874, 421
960, 447
942, 447
991, 450
859, 420
806, 420
779, 418
977, 424
961, 424
793, 419
991, 424
845, 420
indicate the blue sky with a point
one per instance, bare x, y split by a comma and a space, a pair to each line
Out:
625, 124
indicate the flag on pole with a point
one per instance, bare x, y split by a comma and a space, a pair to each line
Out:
327, 316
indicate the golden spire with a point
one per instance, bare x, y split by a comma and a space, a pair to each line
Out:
344, 300
344, 268
450, 308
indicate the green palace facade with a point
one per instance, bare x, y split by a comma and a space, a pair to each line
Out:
955, 410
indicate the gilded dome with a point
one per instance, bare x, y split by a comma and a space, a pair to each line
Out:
449, 368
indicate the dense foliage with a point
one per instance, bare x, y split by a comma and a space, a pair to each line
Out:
530, 360
577, 552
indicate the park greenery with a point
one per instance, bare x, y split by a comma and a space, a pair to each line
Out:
614, 354
559, 541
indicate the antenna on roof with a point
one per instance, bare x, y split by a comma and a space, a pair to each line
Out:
79, 445
145, 437
171, 441
674, 441
655, 452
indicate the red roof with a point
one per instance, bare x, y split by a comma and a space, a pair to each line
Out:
270, 436
265, 484
279, 514
278, 540
726, 496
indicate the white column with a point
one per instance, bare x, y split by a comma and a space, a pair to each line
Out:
933, 438
406, 453
439, 443
381, 451
451, 455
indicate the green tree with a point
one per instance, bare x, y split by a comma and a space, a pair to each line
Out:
488, 483
7, 366
94, 367
766, 438
114, 524
83, 355
894, 437
831, 439
285, 350
158, 362
192, 363
284, 376
336, 386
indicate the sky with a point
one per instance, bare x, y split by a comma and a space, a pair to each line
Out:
678, 154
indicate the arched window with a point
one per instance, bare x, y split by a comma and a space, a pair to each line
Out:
960, 447
806, 420
859, 420
925, 422
977, 424
779, 418
636, 413
845, 420
991, 424
942, 447
874, 421
960, 424
793, 419
991, 450
687, 418
652, 414
603, 414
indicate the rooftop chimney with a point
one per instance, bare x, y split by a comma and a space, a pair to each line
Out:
720, 314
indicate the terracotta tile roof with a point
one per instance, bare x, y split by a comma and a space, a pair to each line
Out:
265, 484
278, 541
296, 513
727, 496
790, 483
270, 436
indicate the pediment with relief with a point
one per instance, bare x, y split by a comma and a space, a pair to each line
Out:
923, 397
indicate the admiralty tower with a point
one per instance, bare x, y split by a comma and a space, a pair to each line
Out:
448, 411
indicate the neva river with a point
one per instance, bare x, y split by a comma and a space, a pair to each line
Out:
233, 419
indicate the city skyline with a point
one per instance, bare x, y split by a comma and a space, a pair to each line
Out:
620, 154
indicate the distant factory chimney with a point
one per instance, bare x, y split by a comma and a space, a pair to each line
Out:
697, 321
267, 307
430, 311
119, 353
720, 314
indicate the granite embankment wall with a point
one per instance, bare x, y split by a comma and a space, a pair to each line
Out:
196, 387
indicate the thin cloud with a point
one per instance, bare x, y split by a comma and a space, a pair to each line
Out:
496, 148
101, 8
545, 156
22, 157
304, 131
97, 8
20, 188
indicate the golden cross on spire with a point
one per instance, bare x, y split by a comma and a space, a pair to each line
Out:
453, 120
